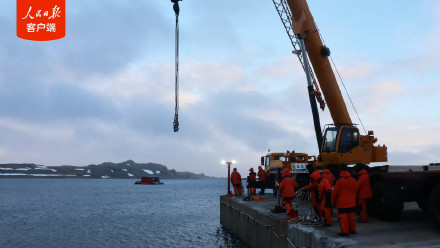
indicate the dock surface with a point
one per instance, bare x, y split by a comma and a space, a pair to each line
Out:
255, 224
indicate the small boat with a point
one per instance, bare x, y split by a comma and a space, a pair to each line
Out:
149, 181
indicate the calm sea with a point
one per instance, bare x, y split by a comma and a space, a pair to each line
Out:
112, 213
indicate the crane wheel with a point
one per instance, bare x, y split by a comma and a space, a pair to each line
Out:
434, 203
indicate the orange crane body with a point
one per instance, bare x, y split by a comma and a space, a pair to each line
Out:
342, 143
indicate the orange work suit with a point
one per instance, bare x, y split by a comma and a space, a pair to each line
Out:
287, 188
313, 187
252, 178
236, 182
327, 174
325, 194
363, 190
344, 195
262, 179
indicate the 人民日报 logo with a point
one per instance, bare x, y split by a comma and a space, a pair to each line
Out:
41, 20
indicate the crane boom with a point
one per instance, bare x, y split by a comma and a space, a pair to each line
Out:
304, 25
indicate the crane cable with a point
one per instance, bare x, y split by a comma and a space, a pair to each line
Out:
176, 89
346, 91
342, 81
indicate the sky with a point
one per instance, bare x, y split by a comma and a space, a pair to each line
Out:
105, 92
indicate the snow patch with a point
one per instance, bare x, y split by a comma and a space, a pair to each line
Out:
112, 170
124, 169
6, 169
157, 172
86, 175
79, 169
130, 175
13, 174
105, 177
149, 172
89, 171
23, 169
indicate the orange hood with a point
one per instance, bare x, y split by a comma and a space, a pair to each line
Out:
315, 175
345, 174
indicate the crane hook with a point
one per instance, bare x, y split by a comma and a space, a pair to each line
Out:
176, 112
176, 6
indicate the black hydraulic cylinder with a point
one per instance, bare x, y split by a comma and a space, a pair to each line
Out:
312, 96
315, 114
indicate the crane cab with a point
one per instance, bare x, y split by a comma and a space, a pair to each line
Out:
344, 144
297, 163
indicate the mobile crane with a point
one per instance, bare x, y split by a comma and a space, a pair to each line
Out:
342, 141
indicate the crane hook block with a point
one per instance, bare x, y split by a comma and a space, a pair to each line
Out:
325, 51
176, 6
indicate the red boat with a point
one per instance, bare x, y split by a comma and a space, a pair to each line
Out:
149, 181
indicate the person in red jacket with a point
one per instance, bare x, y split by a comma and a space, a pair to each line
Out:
252, 177
344, 195
327, 174
287, 189
262, 179
313, 187
363, 191
236, 181
325, 194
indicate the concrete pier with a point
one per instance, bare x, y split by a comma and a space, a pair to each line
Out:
257, 226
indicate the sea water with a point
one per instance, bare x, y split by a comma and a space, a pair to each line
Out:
112, 213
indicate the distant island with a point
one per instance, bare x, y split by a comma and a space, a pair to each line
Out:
107, 170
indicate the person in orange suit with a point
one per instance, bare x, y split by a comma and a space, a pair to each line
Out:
327, 174
287, 189
262, 179
325, 195
344, 195
252, 177
236, 182
313, 187
363, 191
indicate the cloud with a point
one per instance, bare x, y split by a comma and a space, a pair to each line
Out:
285, 68
93, 42
356, 71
